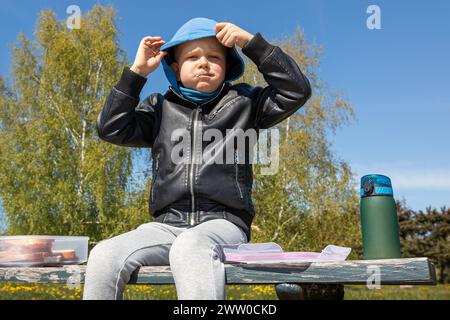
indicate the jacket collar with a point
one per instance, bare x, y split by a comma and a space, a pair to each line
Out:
173, 95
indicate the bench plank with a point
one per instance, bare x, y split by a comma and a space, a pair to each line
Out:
393, 271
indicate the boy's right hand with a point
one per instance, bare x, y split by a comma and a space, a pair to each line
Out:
148, 56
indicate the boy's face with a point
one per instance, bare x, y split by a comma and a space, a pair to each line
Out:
200, 64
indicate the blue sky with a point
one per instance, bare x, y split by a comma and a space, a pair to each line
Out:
396, 78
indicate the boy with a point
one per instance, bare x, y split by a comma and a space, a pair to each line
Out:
197, 205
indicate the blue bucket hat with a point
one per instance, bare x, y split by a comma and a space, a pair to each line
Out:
194, 29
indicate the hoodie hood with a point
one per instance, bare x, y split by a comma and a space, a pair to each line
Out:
194, 29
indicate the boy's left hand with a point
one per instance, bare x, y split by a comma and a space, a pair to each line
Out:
229, 34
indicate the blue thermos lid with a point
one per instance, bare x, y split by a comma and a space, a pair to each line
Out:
376, 185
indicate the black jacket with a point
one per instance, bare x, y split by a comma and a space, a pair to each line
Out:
189, 193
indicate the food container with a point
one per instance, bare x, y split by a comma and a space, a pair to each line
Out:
27, 251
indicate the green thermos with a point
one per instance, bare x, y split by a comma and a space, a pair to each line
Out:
379, 223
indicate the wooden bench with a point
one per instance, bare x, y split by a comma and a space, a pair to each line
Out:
319, 280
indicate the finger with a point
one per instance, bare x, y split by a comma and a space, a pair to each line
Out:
151, 38
150, 42
158, 45
154, 44
220, 36
230, 42
226, 36
156, 48
161, 55
220, 26
229, 39
153, 50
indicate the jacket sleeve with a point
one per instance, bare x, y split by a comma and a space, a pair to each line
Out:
123, 120
288, 88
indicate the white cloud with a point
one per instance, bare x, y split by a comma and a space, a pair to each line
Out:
408, 175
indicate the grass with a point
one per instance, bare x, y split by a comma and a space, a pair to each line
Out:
19, 291
439, 292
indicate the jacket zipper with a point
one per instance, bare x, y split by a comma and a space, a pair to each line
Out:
191, 217
156, 174
223, 107
237, 173
192, 167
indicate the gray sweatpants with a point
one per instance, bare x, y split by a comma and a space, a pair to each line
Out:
195, 260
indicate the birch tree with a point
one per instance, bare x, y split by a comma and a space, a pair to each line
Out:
56, 175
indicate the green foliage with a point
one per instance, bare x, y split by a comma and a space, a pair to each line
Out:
426, 234
56, 175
